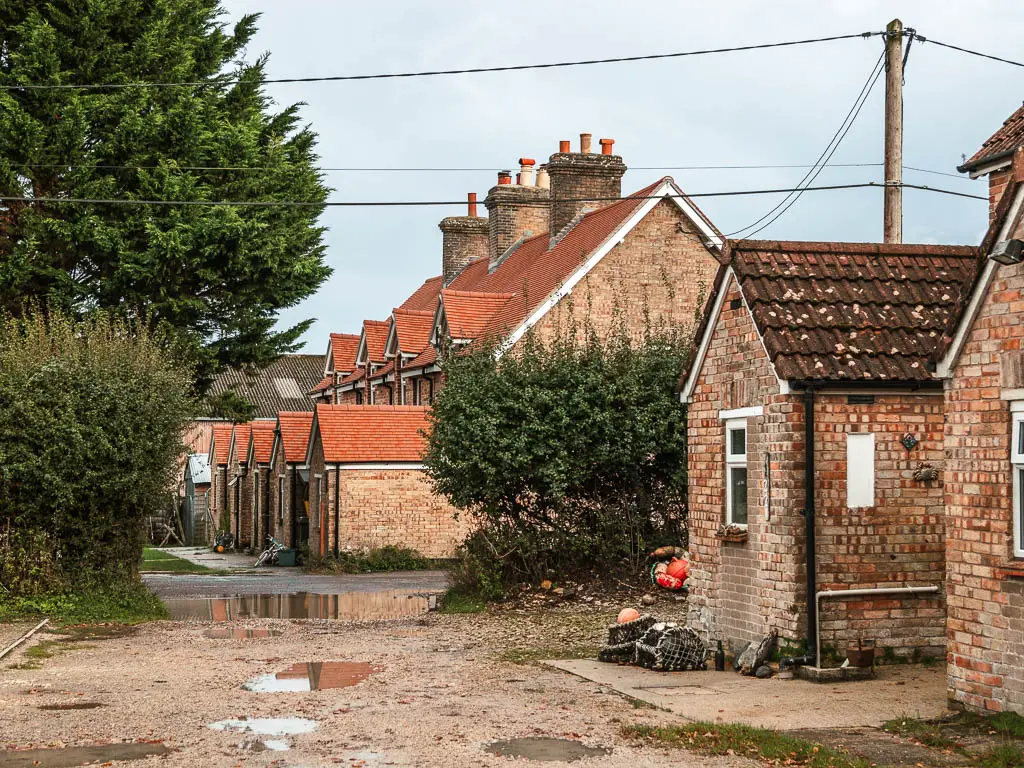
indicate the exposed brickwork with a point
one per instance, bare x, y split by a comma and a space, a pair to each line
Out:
590, 179
996, 186
464, 238
985, 629
740, 590
658, 270
282, 519
382, 394
513, 210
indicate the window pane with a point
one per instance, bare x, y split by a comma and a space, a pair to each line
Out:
1020, 438
737, 442
738, 491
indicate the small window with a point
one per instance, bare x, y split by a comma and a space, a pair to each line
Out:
1017, 466
736, 472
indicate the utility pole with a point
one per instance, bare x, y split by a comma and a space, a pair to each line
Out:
893, 226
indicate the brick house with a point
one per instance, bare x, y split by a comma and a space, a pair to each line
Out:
994, 158
367, 486
260, 449
220, 443
339, 362
815, 427
289, 476
982, 362
239, 491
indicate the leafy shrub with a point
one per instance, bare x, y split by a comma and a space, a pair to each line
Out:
567, 453
91, 421
387, 558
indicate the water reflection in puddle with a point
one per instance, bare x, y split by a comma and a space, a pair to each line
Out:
312, 676
274, 727
351, 606
545, 749
240, 634
71, 756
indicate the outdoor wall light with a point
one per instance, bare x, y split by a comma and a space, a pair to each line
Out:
1008, 252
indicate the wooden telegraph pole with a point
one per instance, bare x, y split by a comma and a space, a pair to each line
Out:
893, 227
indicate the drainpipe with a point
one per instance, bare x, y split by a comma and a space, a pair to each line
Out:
812, 575
842, 594
293, 517
337, 512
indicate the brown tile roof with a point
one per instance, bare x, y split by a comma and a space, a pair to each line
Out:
284, 385
293, 431
850, 311
262, 440
425, 297
371, 433
220, 443
413, 329
376, 334
1000, 144
343, 351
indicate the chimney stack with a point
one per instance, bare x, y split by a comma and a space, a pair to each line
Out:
513, 210
582, 180
464, 238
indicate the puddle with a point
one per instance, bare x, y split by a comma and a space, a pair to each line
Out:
312, 676
72, 705
240, 634
71, 756
350, 606
267, 726
545, 749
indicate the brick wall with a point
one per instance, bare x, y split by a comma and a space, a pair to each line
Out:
996, 186
351, 397
741, 589
281, 521
261, 488
319, 543
464, 238
382, 394
513, 210
985, 628
657, 267
582, 181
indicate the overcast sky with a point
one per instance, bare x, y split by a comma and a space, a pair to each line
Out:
764, 107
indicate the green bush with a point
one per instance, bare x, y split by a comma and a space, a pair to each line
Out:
91, 421
568, 454
387, 558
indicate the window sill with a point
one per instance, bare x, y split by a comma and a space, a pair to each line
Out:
732, 536
1011, 570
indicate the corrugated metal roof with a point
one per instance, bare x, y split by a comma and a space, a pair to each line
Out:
199, 468
281, 386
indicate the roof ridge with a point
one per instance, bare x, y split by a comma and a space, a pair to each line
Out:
853, 247
420, 312
457, 292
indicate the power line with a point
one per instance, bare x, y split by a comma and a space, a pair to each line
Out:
826, 154
924, 39
414, 203
438, 72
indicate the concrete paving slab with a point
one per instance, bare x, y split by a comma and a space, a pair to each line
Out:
780, 704
221, 561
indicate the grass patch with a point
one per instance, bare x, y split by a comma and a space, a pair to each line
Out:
161, 560
924, 732
745, 741
1003, 756
378, 560
128, 603
457, 601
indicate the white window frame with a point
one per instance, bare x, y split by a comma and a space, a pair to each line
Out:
280, 499
1017, 469
735, 461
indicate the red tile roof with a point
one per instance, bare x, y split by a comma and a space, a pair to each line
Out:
383, 371
425, 297
221, 442
413, 329
468, 313
353, 434
343, 351
427, 357
293, 429
850, 311
262, 440
357, 375
325, 383
240, 443
1000, 144
376, 334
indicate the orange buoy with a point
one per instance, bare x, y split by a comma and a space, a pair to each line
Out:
627, 615
678, 569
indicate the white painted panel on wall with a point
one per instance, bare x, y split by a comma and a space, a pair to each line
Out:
860, 470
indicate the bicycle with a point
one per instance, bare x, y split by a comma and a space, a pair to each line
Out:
269, 556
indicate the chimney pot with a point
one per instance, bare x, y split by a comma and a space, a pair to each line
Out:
606, 146
526, 171
527, 161
519, 179
563, 146
585, 143
504, 177
543, 180
472, 204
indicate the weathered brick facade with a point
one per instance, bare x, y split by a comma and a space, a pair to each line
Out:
581, 180
283, 519
513, 210
996, 186
741, 590
985, 582
464, 238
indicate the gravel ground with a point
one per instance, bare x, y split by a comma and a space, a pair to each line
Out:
445, 690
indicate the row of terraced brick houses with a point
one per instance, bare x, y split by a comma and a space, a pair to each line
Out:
348, 474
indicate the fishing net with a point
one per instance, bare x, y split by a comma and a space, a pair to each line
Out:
669, 647
622, 638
